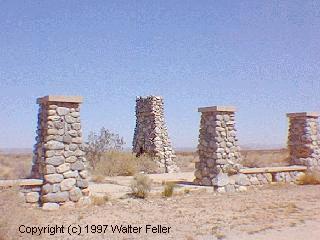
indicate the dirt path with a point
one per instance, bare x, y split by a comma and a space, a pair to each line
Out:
275, 212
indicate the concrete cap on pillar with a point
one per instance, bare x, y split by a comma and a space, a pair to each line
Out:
303, 114
67, 99
217, 109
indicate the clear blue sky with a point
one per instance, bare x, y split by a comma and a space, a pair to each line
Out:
261, 56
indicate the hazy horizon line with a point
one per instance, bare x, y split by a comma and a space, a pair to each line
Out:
191, 149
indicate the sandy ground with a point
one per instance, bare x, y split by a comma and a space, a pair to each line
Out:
274, 212
119, 186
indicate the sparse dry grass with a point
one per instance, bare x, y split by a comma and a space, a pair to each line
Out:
310, 178
168, 189
192, 216
141, 185
99, 200
265, 158
98, 178
13, 166
13, 213
117, 163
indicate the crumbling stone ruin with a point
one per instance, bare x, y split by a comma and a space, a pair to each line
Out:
218, 145
58, 153
151, 134
303, 139
59, 165
220, 158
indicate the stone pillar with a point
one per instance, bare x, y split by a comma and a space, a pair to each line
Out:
303, 139
151, 135
218, 148
58, 153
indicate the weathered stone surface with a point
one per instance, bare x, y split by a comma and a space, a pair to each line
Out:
55, 160
278, 177
73, 147
230, 188
51, 112
206, 181
75, 114
82, 183
85, 192
272, 169
50, 206
243, 189
77, 140
75, 194
242, 180
53, 178
54, 145
76, 126
52, 131
300, 176
58, 148
221, 189
67, 184
70, 119
56, 187
71, 174
50, 169
83, 174
67, 138
79, 153
254, 181
71, 159
268, 177
77, 166
63, 168
303, 140
222, 179
62, 111
73, 133
21, 182
47, 188
56, 197
151, 135
218, 148
84, 201
32, 197
58, 125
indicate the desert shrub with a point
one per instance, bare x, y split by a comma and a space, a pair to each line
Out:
98, 178
232, 170
116, 163
310, 178
141, 185
119, 163
99, 200
168, 189
104, 152
186, 190
100, 143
